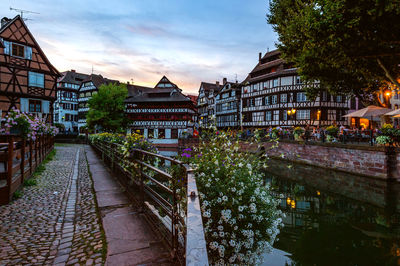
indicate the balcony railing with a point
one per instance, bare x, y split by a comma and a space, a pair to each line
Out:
165, 190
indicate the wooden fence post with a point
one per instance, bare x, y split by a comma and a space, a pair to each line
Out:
30, 157
23, 143
10, 164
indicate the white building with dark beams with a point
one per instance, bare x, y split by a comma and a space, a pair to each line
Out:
228, 105
206, 102
66, 105
274, 95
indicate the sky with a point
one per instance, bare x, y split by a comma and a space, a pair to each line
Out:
142, 40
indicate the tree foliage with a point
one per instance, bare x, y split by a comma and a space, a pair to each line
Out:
106, 108
351, 46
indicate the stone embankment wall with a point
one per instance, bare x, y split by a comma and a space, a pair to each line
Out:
379, 162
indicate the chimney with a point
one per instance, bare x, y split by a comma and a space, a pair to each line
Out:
4, 21
259, 57
73, 70
224, 81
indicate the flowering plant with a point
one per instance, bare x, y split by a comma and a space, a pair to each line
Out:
240, 215
26, 125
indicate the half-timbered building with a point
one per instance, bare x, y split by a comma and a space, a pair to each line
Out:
162, 114
28, 81
66, 105
228, 106
274, 95
89, 87
206, 102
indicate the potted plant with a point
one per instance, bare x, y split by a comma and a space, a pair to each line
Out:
332, 132
297, 132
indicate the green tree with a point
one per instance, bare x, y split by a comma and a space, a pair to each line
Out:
106, 108
351, 46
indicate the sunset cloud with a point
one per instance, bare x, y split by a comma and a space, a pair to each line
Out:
188, 41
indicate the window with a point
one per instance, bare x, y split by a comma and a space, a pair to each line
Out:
339, 98
161, 133
268, 116
274, 99
301, 97
284, 115
267, 100
324, 96
298, 80
18, 50
150, 133
276, 115
302, 114
174, 133
36, 79
276, 82
258, 101
35, 106
284, 98
258, 116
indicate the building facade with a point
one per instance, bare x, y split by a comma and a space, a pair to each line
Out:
206, 102
162, 114
228, 103
274, 95
28, 81
66, 105
89, 87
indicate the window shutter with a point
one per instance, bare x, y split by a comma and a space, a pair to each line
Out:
24, 105
28, 52
46, 107
7, 47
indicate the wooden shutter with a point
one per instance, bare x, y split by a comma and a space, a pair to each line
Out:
45, 107
24, 105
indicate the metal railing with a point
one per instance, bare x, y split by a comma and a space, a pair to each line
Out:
165, 191
19, 159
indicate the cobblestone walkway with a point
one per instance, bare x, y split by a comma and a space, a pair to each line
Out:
55, 222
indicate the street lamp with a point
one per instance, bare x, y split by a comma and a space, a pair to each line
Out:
291, 113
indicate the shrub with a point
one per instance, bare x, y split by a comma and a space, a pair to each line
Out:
240, 215
332, 131
18, 194
298, 131
383, 140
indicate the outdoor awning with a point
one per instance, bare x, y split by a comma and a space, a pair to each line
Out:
394, 112
369, 112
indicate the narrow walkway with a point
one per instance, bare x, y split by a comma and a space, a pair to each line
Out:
60, 221
56, 221
130, 241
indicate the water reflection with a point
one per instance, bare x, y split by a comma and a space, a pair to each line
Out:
333, 218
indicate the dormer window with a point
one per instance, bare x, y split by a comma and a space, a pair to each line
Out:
18, 50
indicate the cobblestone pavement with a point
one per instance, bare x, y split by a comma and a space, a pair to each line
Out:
55, 222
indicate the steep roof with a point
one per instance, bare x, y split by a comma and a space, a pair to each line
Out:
164, 91
207, 87
99, 80
165, 83
72, 77
37, 46
271, 65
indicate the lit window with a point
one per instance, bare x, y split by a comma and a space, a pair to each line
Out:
36, 80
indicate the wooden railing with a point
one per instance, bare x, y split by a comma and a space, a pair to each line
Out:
18, 161
165, 191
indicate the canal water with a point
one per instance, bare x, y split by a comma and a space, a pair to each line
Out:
334, 218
